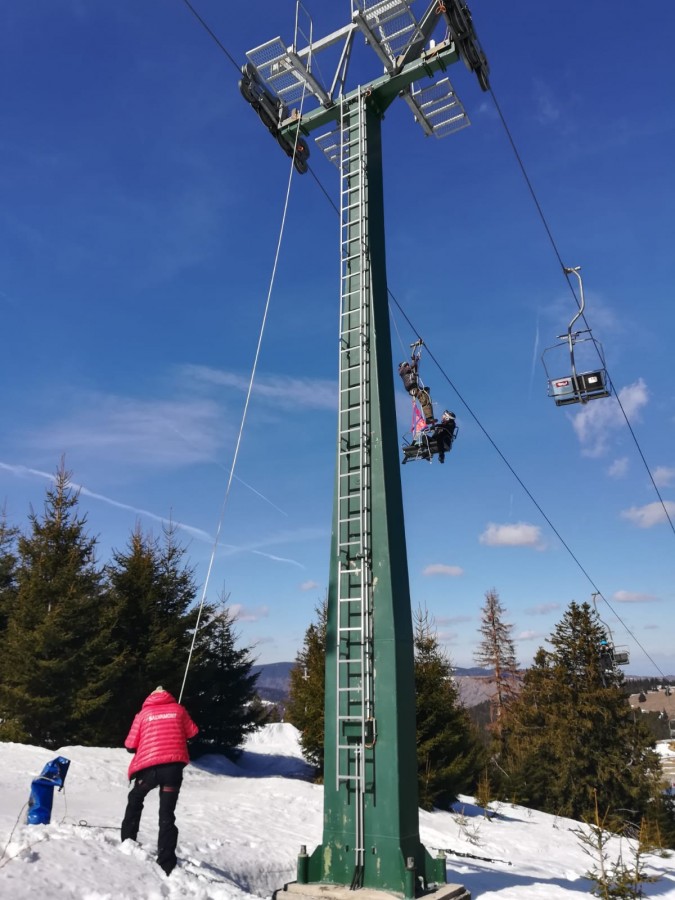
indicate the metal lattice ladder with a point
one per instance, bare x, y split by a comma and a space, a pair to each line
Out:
355, 714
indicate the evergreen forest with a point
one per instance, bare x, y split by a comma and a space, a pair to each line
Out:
82, 644
559, 737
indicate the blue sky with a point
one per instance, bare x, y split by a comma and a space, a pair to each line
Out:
141, 203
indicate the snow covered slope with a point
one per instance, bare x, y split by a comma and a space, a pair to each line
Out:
241, 827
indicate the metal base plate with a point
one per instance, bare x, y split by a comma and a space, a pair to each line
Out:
342, 892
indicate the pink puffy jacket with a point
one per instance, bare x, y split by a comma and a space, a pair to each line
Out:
159, 733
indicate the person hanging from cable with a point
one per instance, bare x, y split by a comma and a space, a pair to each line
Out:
429, 437
409, 372
444, 434
158, 739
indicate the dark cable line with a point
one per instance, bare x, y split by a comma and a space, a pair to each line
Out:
529, 183
499, 452
535, 199
525, 488
325, 192
224, 49
639, 449
447, 378
212, 35
571, 287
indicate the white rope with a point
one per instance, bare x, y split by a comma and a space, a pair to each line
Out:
246, 404
398, 333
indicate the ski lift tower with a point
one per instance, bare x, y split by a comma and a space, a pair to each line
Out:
371, 823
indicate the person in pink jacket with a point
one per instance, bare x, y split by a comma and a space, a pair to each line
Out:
158, 739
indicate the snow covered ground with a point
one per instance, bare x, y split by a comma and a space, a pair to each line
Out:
241, 827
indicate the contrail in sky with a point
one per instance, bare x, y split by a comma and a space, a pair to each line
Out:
221, 466
198, 533
535, 354
262, 496
24, 470
293, 562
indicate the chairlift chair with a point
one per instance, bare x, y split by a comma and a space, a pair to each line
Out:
577, 387
621, 656
427, 439
426, 444
610, 655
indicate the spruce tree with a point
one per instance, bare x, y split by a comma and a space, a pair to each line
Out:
8, 565
151, 589
449, 755
57, 661
305, 708
496, 651
221, 688
572, 733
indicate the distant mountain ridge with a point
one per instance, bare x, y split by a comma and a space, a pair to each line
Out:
475, 685
274, 682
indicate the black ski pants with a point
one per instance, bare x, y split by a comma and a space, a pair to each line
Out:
168, 777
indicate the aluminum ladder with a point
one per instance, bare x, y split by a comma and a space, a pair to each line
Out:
355, 714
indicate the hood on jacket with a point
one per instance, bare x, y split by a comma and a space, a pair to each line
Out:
156, 698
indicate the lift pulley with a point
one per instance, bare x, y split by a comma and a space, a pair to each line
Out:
273, 112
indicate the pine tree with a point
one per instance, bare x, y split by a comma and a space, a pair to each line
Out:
305, 708
449, 755
496, 651
151, 590
572, 733
57, 661
8, 565
221, 688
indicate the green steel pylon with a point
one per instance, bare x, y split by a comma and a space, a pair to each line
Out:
371, 817
371, 831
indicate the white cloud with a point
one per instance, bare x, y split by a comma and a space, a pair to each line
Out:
441, 569
309, 585
664, 476
599, 419
633, 597
247, 614
618, 468
547, 110
281, 390
518, 534
166, 433
447, 637
529, 636
452, 620
541, 609
649, 515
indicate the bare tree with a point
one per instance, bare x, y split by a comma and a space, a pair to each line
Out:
496, 651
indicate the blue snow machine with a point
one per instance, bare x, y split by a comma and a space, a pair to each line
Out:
42, 791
